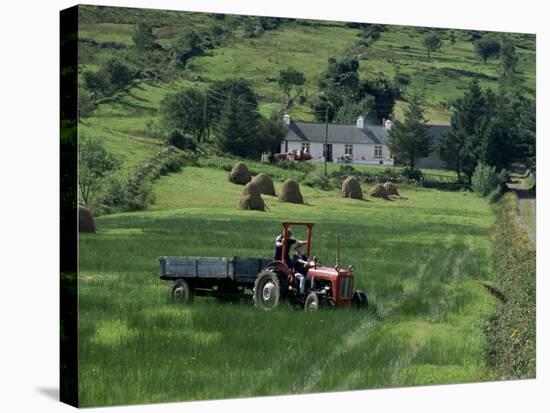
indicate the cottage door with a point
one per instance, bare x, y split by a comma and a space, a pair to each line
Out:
328, 152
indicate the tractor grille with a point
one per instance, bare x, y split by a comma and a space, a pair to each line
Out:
345, 287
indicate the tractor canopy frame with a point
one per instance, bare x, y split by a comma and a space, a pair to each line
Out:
286, 226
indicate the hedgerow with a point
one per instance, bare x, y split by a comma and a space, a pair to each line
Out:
511, 332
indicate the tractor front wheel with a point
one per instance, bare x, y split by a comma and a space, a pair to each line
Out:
182, 292
267, 290
313, 302
360, 300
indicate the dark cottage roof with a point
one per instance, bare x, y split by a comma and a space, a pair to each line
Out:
347, 133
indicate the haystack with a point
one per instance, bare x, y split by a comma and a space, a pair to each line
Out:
351, 188
86, 221
391, 189
264, 184
251, 198
291, 192
378, 191
240, 174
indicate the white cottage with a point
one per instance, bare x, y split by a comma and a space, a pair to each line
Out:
355, 143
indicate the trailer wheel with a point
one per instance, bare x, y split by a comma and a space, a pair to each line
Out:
360, 300
267, 290
182, 292
313, 302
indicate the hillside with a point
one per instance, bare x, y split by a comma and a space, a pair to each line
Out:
128, 122
306, 45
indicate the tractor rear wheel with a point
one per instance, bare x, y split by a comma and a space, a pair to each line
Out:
182, 292
360, 300
313, 302
267, 290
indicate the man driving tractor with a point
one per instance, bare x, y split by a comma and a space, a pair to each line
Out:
279, 247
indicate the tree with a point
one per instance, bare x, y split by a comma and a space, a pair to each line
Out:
186, 46
94, 163
143, 37
111, 76
468, 118
526, 145
498, 148
468, 111
486, 47
271, 132
237, 128
372, 32
340, 82
432, 43
508, 62
452, 151
184, 111
342, 74
220, 90
384, 93
181, 141
85, 104
340, 85
351, 109
117, 72
411, 139
252, 27
97, 82
290, 79
452, 37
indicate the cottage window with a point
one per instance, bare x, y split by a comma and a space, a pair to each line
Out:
348, 150
305, 147
378, 151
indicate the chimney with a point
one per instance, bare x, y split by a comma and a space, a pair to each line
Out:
360, 122
388, 124
286, 120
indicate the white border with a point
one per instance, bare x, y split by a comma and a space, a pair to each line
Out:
29, 203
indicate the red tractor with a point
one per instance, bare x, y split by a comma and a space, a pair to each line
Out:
271, 281
325, 286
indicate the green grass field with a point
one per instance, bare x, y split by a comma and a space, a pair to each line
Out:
421, 259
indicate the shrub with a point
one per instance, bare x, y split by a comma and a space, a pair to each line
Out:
114, 194
495, 194
486, 179
295, 165
344, 171
403, 79
318, 180
139, 195
117, 72
181, 141
412, 174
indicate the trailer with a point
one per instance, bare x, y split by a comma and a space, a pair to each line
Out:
221, 277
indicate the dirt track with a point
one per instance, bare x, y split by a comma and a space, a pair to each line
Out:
526, 205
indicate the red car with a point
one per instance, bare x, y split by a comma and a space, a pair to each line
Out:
294, 155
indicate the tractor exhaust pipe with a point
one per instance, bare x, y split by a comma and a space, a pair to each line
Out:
337, 252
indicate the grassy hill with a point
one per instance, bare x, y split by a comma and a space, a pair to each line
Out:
421, 259
306, 45
127, 120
